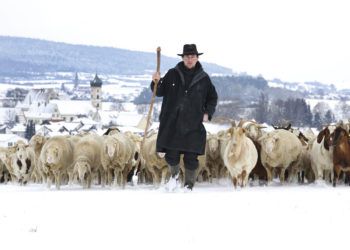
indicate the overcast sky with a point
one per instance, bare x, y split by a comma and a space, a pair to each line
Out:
294, 40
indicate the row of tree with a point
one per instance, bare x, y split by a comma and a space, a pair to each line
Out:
297, 111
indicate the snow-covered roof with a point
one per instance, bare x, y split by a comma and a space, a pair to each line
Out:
19, 128
88, 127
76, 107
57, 126
128, 119
36, 95
34, 115
6, 138
67, 127
42, 129
107, 106
129, 106
131, 129
57, 133
84, 120
121, 90
3, 126
108, 117
71, 125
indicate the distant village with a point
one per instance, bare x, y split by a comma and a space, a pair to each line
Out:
53, 111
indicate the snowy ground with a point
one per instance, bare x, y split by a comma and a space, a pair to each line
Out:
212, 216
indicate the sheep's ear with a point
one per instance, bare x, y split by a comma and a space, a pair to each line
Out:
325, 144
221, 134
320, 136
230, 132
224, 136
233, 123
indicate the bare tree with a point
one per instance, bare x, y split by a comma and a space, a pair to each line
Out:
118, 106
10, 117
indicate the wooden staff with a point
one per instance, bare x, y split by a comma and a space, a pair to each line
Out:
137, 170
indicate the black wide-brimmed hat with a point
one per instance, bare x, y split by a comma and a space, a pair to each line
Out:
190, 49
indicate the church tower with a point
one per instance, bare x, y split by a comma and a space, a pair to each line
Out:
96, 93
76, 81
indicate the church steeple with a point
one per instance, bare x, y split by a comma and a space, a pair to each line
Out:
76, 80
97, 82
96, 92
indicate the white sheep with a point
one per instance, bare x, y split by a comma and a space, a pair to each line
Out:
87, 159
57, 159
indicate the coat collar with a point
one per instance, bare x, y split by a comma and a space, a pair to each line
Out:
198, 75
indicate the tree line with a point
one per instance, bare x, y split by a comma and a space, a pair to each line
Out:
296, 111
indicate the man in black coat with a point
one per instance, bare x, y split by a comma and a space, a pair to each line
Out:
189, 98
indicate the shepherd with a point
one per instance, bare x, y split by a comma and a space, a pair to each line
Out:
189, 99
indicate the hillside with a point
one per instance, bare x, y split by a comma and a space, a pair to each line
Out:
25, 56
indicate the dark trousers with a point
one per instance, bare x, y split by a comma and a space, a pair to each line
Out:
172, 157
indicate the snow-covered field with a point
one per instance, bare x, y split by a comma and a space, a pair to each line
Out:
212, 216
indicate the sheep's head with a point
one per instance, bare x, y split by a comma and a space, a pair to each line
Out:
213, 143
270, 142
83, 169
21, 152
7, 155
52, 155
111, 146
37, 141
237, 135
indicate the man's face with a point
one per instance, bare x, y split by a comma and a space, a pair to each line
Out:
190, 60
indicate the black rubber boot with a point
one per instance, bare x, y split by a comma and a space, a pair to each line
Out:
174, 171
190, 176
172, 184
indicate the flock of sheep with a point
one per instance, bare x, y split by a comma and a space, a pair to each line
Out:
242, 153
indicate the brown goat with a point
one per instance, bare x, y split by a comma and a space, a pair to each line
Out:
341, 153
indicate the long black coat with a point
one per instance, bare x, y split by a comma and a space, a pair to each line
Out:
183, 108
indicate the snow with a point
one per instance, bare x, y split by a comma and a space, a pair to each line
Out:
300, 86
5, 114
76, 107
313, 102
212, 216
4, 87
275, 85
18, 128
128, 119
48, 84
214, 128
123, 90
10, 139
